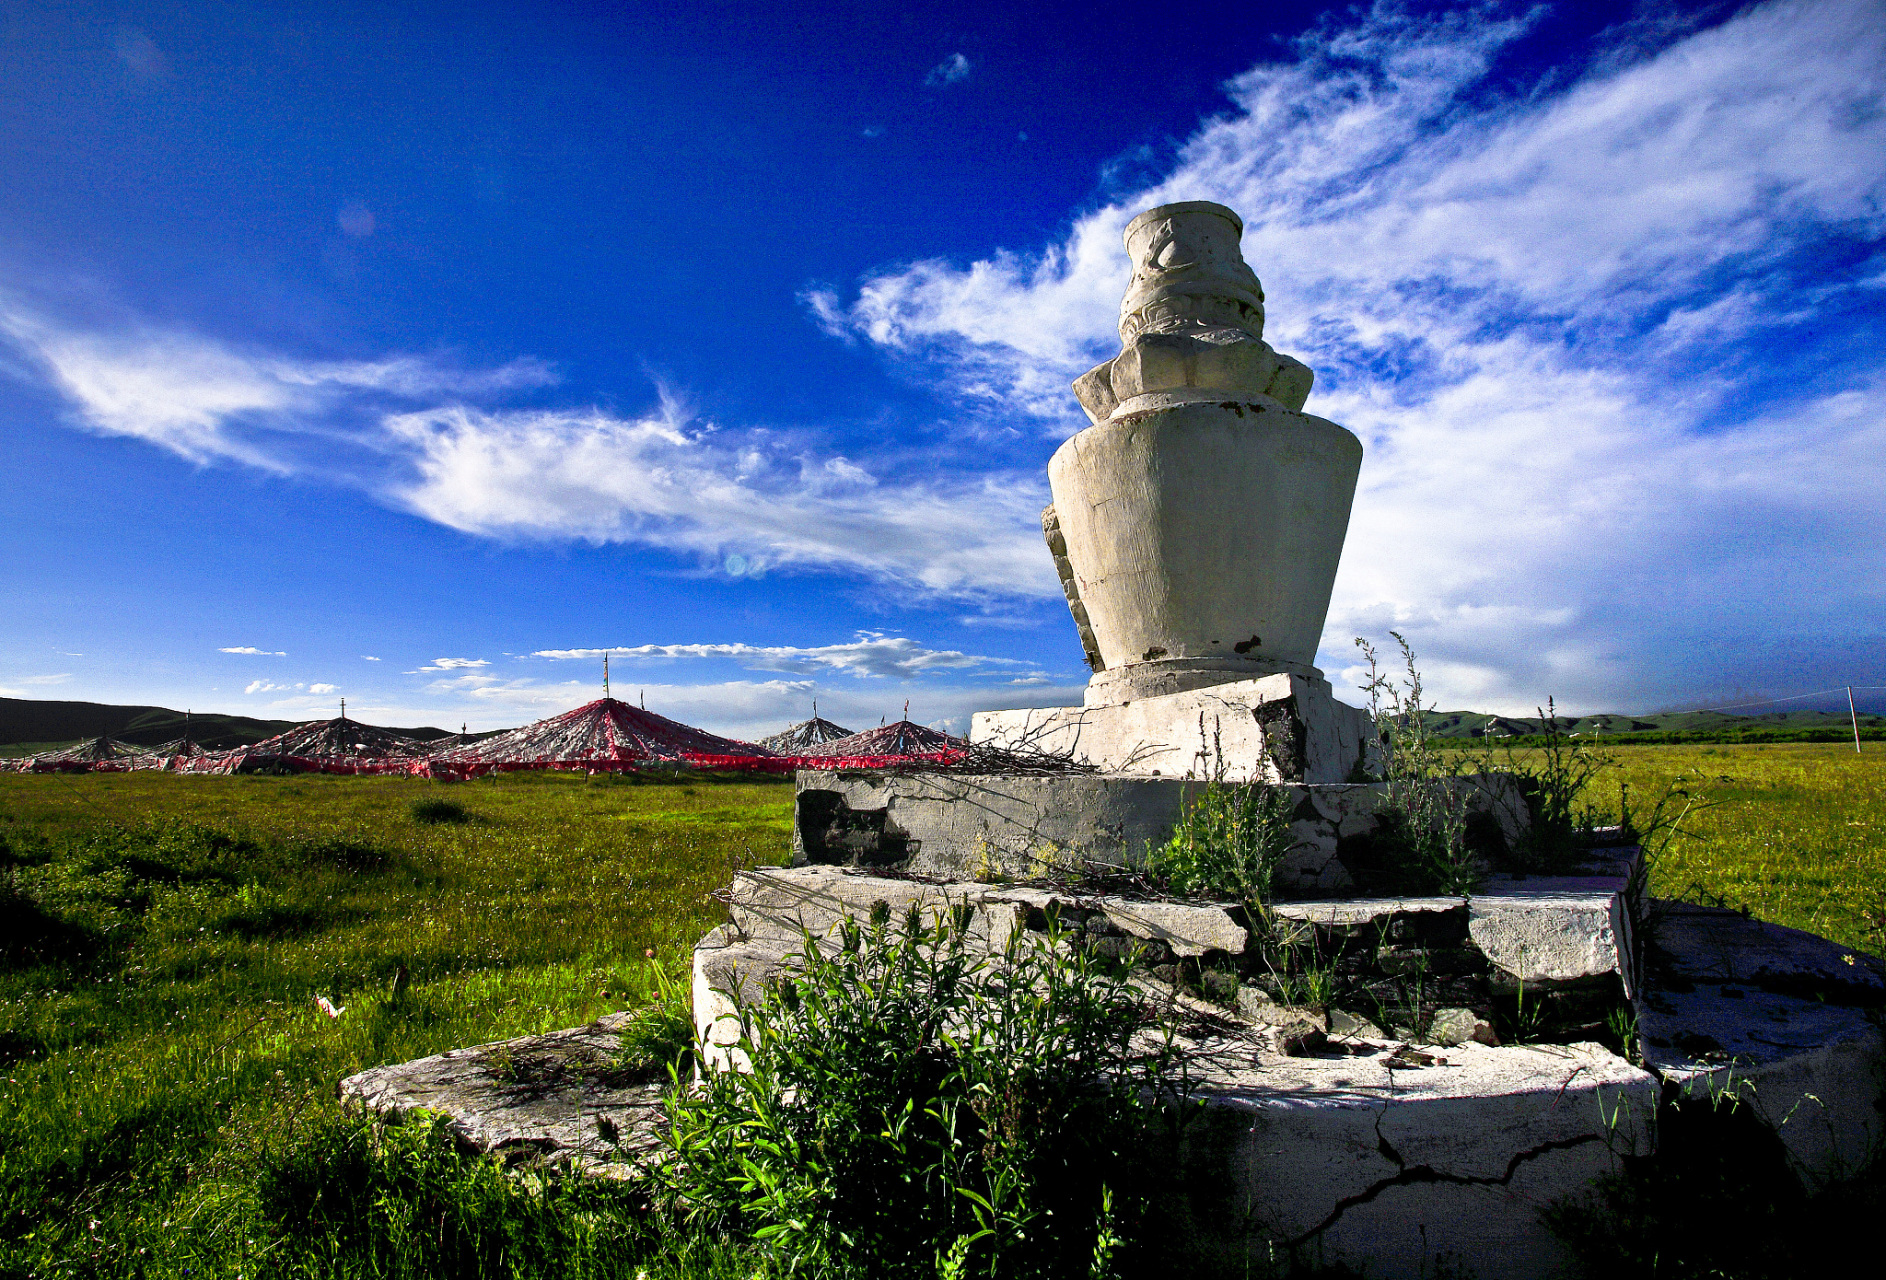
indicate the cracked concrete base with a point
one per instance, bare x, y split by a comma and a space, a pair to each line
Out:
1787, 1022
1387, 1159
549, 1099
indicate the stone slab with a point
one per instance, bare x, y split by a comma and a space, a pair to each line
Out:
786, 903
1552, 929
1277, 728
1784, 1021
1019, 826
549, 1099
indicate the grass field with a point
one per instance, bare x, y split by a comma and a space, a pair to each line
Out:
1795, 832
160, 1036
162, 1059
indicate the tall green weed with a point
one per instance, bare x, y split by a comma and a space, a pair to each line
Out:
1421, 837
917, 1106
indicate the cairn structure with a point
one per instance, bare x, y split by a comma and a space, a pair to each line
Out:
1461, 1062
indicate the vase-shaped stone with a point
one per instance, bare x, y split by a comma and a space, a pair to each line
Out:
1203, 514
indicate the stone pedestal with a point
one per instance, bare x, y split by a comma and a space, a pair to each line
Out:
964, 826
1276, 728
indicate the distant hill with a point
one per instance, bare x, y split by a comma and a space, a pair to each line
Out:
28, 720
1675, 726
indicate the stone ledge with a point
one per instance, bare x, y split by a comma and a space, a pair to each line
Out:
546, 1099
967, 826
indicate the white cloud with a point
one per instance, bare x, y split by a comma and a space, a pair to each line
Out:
265, 686
253, 651
949, 71
663, 482
208, 401
870, 655
39, 681
367, 657
1562, 325
323, 688
451, 664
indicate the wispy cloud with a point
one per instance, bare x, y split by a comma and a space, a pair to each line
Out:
211, 401
254, 652
323, 688
949, 71
870, 655
1573, 330
746, 501
450, 664
265, 686
663, 481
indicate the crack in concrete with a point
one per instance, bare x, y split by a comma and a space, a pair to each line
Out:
1407, 1177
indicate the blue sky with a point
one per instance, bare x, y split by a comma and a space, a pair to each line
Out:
418, 353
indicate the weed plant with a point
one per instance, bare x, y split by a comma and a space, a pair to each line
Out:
1228, 843
342, 1199
661, 1034
1557, 776
919, 1107
1420, 844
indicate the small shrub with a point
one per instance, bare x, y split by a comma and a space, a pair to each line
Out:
661, 1034
1228, 843
437, 810
916, 1109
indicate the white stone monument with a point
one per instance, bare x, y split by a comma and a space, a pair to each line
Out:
1197, 526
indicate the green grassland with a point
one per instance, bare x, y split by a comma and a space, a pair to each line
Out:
165, 1075
166, 938
1794, 832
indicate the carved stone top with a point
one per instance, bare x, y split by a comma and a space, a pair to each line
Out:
1192, 322
1187, 267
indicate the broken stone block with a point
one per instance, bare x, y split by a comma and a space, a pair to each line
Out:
1188, 930
556, 1099
1553, 929
1784, 1021
1343, 1023
1451, 1026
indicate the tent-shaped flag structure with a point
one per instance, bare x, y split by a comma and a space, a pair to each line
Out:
888, 746
340, 745
94, 755
815, 732
604, 736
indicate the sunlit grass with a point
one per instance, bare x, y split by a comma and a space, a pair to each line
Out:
166, 1038
1794, 832
162, 1051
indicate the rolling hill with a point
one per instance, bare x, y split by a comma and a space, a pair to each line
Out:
29, 720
